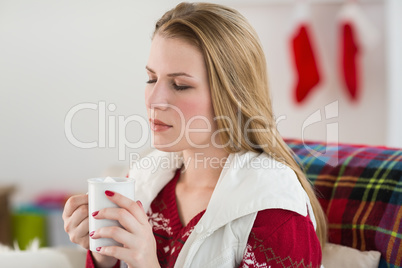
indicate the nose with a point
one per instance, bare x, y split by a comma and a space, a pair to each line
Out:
156, 96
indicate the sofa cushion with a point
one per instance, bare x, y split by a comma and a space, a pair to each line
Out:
335, 256
360, 190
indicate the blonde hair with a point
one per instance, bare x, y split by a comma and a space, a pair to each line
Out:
238, 81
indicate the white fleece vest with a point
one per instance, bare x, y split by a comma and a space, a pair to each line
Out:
249, 182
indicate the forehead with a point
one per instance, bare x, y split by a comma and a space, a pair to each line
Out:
175, 55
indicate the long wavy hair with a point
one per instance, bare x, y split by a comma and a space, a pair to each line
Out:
238, 81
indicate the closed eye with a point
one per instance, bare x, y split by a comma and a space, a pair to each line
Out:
177, 87
174, 85
151, 81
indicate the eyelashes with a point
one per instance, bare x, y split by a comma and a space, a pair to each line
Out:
151, 81
174, 85
180, 87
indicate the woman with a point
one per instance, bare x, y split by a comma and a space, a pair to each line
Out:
224, 189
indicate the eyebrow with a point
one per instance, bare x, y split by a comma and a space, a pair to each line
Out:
170, 75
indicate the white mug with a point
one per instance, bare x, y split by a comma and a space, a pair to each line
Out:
97, 200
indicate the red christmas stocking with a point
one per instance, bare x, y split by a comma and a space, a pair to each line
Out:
356, 35
304, 62
349, 63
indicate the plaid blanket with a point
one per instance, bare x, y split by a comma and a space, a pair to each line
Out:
360, 190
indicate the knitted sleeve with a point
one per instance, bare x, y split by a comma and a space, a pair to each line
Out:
282, 238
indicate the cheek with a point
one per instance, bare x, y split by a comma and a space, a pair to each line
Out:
195, 107
198, 108
189, 109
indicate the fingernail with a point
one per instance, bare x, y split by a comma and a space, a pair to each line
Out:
95, 213
98, 248
140, 204
91, 233
109, 193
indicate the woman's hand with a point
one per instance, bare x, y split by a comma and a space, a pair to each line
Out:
76, 224
75, 216
139, 245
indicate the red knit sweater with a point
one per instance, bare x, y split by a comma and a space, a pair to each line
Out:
279, 238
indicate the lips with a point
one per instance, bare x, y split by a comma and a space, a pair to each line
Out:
157, 125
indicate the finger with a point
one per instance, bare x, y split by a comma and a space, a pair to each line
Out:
79, 215
133, 207
83, 228
114, 251
116, 233
73, 203
124, 217
80, 234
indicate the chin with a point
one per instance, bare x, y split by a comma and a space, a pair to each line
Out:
167, 145
164, 148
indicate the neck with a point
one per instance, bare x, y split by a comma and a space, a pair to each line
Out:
202, 168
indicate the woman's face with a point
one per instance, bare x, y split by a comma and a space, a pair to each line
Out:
178, 97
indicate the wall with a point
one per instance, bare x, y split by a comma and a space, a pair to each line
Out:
394, 79
56, 55
355, 120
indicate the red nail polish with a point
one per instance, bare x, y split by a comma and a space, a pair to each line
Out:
98, 248
140, 204
91, 233
95, 213
109, 193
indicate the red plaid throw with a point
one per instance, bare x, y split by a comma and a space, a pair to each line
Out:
360, 190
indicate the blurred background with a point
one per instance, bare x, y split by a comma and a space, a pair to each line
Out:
72, 75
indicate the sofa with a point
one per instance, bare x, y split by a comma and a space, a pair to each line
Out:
360, 189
